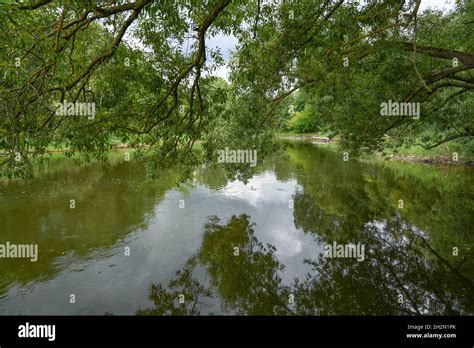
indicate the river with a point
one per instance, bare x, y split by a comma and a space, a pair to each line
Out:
134, 244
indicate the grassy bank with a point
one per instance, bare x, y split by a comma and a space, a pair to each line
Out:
449, 153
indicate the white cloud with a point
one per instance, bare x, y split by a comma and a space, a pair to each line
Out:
226, 44
264, 187
223, 72
437, 4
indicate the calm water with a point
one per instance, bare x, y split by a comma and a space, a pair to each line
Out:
235, 248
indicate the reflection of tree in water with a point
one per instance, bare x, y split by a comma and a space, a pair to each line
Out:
112, 201
167, 300
245, 284
248, 283
398, 261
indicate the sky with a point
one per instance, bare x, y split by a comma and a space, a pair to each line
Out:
227, 43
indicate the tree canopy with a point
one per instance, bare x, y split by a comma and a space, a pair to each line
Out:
148, 70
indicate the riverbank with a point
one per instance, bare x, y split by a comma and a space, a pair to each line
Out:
311, 137
447, 154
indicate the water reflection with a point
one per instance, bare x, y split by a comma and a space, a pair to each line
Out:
402, 274
183, 260
241, 271
110, 202
407, 270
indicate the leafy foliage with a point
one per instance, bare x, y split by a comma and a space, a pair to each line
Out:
146, 66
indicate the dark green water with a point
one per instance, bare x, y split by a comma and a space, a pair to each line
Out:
183, 260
